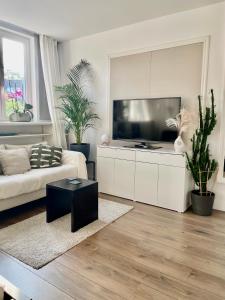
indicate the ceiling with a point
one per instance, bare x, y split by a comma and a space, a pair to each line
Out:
68, 19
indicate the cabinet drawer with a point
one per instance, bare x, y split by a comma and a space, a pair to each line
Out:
166, 159
106, 152
125, 154
175, 160
145, 156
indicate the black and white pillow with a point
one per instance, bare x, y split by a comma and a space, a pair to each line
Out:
45, 156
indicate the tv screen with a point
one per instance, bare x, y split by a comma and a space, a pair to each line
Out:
145, 119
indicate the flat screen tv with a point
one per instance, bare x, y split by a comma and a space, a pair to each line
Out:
145, 119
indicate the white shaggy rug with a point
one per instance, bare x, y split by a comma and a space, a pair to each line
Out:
36, 243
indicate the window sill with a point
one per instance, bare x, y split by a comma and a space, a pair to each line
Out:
34, 123
17, 136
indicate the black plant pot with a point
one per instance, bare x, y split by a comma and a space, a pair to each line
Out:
202, 205
84, 148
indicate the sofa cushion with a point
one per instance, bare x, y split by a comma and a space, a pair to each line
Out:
45, 156
33, 180
14, 161
28, 147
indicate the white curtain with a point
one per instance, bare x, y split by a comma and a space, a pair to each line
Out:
51, 71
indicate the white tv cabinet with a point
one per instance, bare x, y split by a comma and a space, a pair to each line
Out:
156, 177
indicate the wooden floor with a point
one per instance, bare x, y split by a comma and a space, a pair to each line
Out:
150, 253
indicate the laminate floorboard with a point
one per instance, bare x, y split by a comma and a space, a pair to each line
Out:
149, 253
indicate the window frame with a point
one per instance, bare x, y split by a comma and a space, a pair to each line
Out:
29, 68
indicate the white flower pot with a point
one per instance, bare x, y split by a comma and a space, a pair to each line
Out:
20, 117
179, 146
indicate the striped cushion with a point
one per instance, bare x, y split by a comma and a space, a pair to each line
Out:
45, 156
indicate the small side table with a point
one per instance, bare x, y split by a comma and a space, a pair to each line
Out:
80, 200
92, 162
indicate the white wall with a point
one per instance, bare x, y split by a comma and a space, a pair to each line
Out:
170, 72
178, 27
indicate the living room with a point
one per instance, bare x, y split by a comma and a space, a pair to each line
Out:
112, 149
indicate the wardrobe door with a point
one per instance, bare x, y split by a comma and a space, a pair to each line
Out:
124, 178
171, 187
105, 174
146, 181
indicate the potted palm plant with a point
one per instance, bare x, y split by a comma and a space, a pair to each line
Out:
200, 163
76, 105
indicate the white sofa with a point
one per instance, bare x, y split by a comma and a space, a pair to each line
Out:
22, 188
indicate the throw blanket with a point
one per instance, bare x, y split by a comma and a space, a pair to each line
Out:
73, 164
76, 159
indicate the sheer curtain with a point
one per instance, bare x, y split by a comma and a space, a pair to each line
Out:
51, 72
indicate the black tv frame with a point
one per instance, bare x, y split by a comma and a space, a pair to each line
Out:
143, 143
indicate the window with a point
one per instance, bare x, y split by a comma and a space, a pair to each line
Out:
15, 73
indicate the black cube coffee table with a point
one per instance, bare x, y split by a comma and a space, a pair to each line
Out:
81, 200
